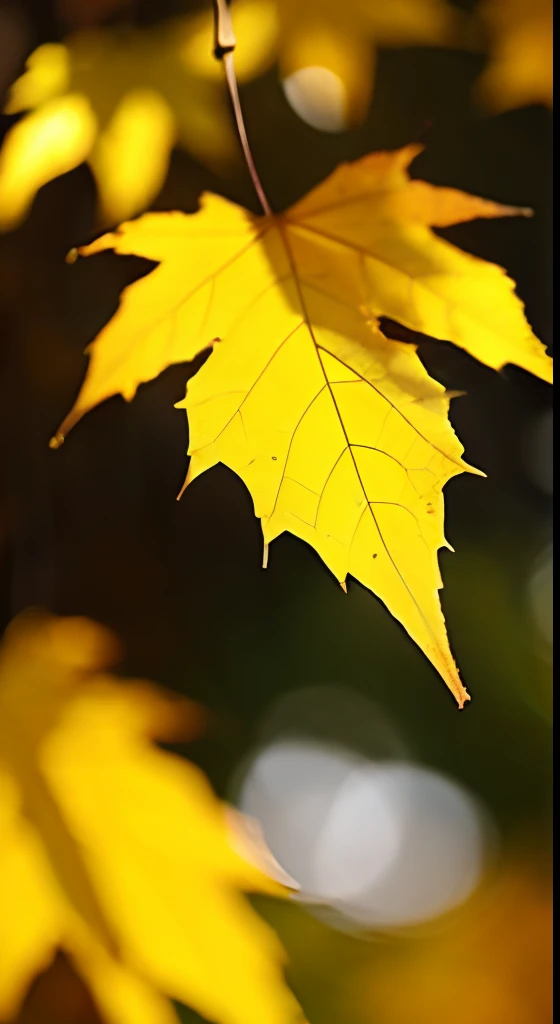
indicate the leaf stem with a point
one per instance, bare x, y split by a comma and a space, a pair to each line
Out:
224, 45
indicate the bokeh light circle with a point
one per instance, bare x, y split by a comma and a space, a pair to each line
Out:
318, 96
385, 844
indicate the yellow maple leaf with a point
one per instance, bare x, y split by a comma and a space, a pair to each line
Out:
121, 99
520, 68
339, 433
116, 851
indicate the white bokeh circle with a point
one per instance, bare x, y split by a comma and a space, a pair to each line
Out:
384, 844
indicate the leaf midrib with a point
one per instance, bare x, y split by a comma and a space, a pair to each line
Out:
318, 348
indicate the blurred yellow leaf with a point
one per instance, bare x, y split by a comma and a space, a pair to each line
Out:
490, 965
340, 434
51, 141
342, 37
121, 99
520, 69
116, 851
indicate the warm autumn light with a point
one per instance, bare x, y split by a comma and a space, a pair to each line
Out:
339, 433
301, 262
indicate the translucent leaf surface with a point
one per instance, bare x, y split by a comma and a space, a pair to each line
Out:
339, 433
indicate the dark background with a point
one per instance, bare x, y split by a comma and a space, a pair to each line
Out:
94, 528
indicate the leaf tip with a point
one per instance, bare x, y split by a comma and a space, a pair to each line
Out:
183, 488
502, 210
71, 255
475, 470
407, 154
57, 440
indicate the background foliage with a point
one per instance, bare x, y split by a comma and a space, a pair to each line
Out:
94, 529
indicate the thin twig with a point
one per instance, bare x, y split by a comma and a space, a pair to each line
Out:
224, 45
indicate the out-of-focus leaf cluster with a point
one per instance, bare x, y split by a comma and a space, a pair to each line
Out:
122, 97
116, 852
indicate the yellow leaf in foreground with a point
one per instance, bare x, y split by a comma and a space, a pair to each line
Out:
116, 851
520, 69
121, 99
340, 434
